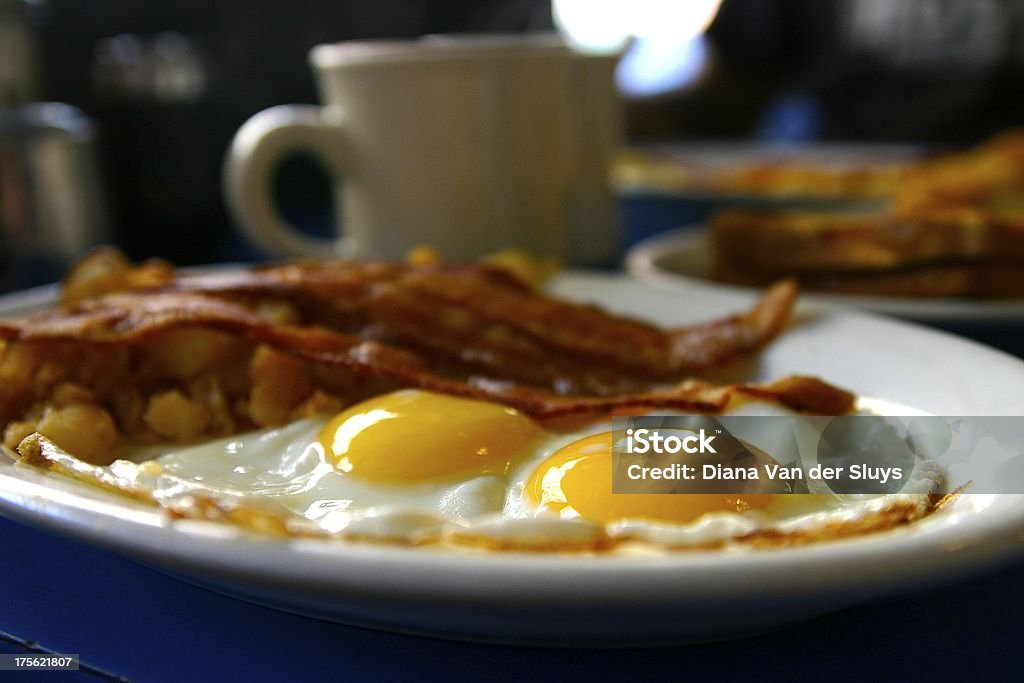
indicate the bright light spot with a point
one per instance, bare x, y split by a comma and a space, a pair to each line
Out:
592, 25
664, 53
665, 20
650, 67
608, 24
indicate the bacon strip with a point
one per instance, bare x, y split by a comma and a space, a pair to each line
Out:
473, 320
482, 299
464, 330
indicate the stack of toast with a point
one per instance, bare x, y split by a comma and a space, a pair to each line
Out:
954, 227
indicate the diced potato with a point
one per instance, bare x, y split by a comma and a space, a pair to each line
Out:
129, 406
84, 430
423, 255
531, 269
174, 416
50, 372
17, 363
184, 353
207, 390
17, 366
69, 393
279, 383
108, 270
101, 271
318, 403
16, 432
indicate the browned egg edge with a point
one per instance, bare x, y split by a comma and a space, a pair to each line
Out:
39, 452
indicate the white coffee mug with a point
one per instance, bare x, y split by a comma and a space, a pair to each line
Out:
466, 144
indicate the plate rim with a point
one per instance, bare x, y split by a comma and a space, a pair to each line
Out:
642, 262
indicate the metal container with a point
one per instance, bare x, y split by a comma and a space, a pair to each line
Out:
51, 202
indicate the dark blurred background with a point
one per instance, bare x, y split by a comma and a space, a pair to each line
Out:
165, 83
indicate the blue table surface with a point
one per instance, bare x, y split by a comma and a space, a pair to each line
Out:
129, 622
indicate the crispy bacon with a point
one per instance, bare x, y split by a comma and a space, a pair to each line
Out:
466, 330
467, 319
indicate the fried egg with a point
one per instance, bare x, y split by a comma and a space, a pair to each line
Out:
416, 467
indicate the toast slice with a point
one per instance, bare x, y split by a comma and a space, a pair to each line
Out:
990, 176
936, 252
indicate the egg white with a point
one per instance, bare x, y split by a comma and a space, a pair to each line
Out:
285, 473
798, 514
286, 470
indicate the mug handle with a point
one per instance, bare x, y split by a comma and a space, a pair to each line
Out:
257, 148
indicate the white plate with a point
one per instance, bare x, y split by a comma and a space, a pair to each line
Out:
561, 600
681, 259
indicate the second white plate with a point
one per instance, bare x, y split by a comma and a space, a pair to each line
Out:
681, 258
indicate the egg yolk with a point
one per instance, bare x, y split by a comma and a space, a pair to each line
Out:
410, 436
576, 481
